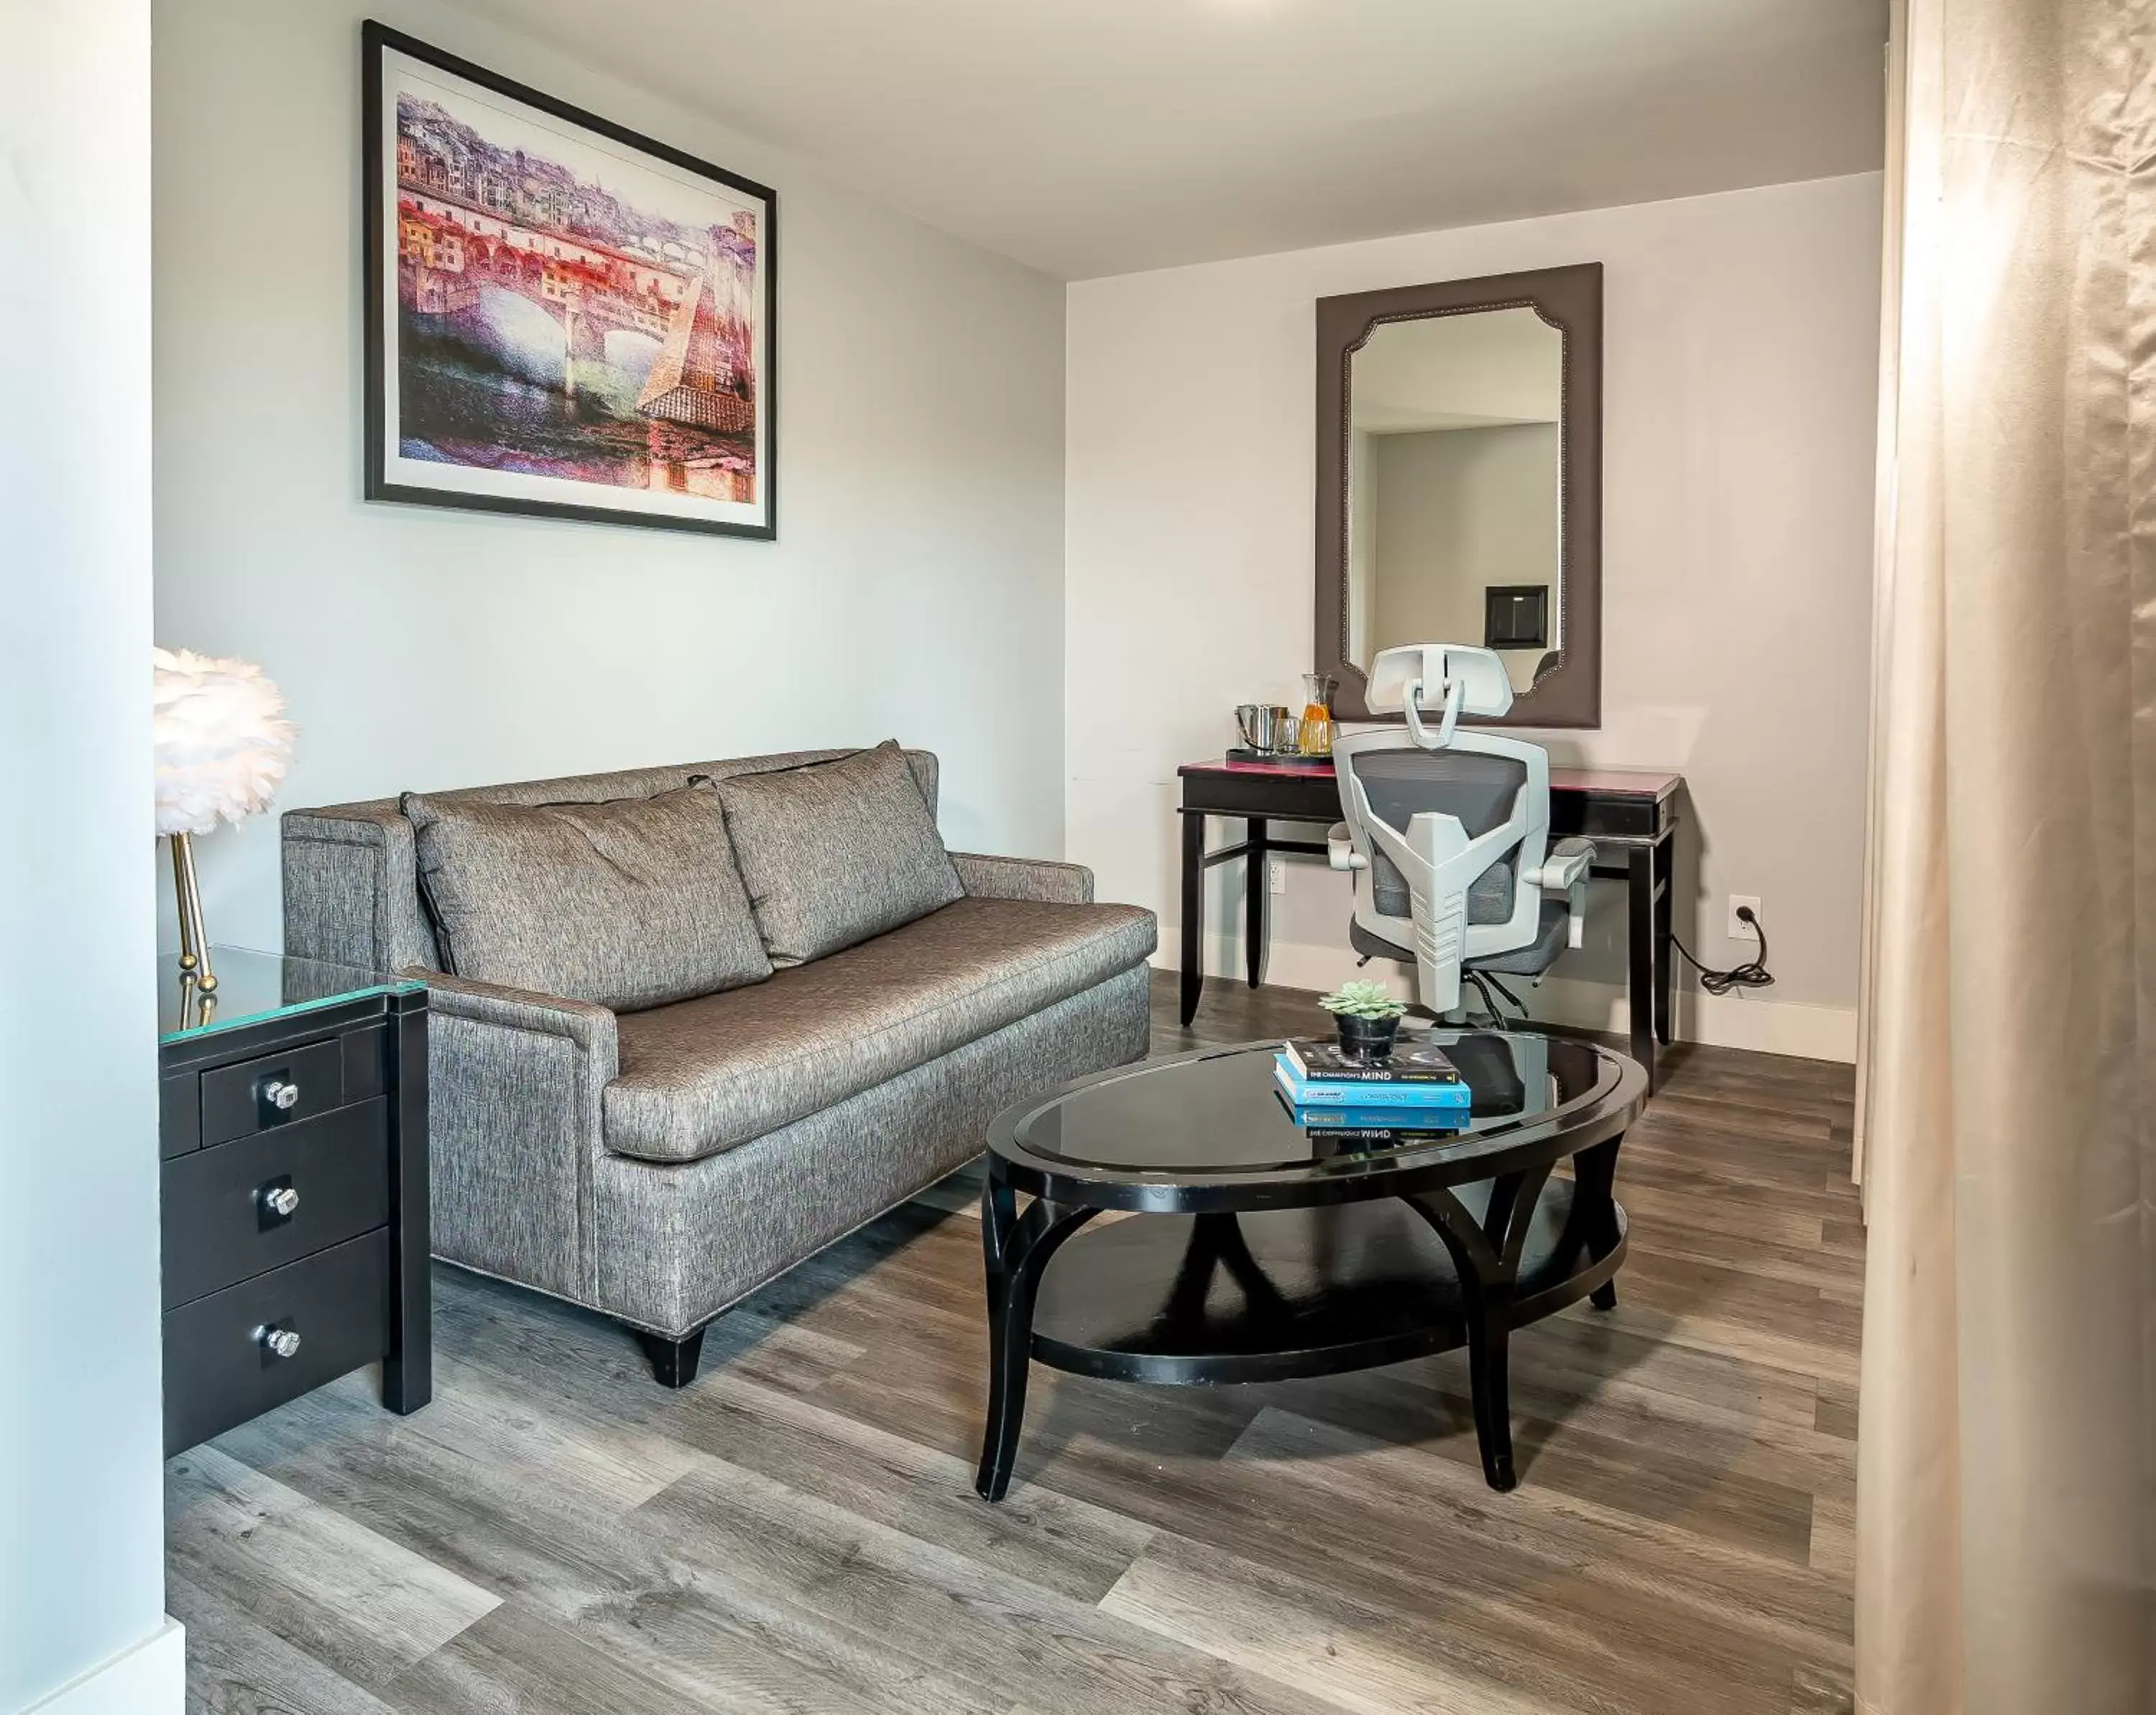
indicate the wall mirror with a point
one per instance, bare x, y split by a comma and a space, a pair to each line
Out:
1459, 483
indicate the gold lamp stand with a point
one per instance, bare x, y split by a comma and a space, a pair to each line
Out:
194, 942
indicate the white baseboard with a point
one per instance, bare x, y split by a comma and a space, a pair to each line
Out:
1738, 1020
147, 1678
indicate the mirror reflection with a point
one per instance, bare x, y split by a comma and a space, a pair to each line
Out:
1454, 500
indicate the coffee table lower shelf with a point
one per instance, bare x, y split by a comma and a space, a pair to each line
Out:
1266, 1295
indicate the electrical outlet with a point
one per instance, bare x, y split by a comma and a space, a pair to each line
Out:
1276, 874
1739, 930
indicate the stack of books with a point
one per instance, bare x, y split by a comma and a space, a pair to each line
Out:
1416, 1089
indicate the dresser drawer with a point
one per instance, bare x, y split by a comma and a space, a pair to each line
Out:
235, 1209
220, 1367
275, 1089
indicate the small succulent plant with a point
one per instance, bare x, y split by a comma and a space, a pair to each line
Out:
1362, 1000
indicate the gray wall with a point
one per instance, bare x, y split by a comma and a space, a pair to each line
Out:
81, 1562
915, 589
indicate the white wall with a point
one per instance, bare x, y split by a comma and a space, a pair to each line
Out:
1740, 377
81, 1519
916, 588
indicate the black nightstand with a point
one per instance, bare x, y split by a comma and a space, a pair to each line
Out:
293, 1126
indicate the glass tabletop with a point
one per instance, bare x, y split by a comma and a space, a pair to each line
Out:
1223, 1112
253, 987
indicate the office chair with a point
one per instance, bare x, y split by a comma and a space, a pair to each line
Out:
1447, 831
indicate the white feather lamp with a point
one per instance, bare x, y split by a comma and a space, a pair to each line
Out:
221, 747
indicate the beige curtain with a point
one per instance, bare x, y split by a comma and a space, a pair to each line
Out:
2006, 1503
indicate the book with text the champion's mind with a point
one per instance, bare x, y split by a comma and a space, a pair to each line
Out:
1317, 1061
1453, 1097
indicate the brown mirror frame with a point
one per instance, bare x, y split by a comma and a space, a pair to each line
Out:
1568, 298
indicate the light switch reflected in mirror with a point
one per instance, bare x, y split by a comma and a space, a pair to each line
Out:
1455, 495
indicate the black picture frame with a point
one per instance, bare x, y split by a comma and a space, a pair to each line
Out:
1504, 623
376, 40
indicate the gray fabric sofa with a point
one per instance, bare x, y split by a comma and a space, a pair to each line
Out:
659, 1165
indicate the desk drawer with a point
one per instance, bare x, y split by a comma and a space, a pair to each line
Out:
276, 1090
1632, 817
219, 1368
1285, 798
225, 1217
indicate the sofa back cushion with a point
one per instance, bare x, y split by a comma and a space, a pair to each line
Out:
630, 903
352, 889
837, 852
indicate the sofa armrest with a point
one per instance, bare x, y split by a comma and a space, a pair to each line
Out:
591, 1028
1038, 879
515, 1082
345, 870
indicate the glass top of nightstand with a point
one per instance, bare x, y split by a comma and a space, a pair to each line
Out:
253, 987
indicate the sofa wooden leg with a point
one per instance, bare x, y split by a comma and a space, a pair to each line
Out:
674, 1361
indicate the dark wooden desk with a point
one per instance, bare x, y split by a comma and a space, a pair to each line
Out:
1627, 811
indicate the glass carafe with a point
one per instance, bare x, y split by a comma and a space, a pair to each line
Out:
1317, 689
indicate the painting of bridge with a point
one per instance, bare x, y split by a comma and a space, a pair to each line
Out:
570, 319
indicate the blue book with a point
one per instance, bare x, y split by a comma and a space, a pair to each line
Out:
1413, 1098
1380, 1125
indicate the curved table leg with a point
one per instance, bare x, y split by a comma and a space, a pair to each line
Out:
1485, 1256
1489, 1375
1218, 1242
1015, 1249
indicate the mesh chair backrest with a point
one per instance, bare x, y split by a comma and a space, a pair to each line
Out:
1400, 784
1489, 899
1479, 790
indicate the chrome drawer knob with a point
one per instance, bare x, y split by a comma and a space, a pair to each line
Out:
280, 1200
281, 1095
278, 1343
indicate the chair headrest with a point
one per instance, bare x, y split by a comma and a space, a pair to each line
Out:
1486, 688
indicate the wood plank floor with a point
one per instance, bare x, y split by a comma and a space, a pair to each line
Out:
798, 1531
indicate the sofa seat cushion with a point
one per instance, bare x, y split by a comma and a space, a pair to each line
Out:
705, 1074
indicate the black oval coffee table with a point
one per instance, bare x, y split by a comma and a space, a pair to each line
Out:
1263, 1250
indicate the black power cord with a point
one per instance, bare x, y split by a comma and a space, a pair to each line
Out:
1752, 973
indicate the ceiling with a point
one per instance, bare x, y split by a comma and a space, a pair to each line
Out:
1086, 137
1483, 370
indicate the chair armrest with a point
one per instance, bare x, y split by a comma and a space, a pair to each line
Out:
1340, 849
1565, 866
1038, 879
1564, 870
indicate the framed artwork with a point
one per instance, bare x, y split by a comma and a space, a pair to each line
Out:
1515, 616
562, 317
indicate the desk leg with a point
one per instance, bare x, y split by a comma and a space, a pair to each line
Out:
1256, 883
1665, 890
1193, 911
1639, 953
